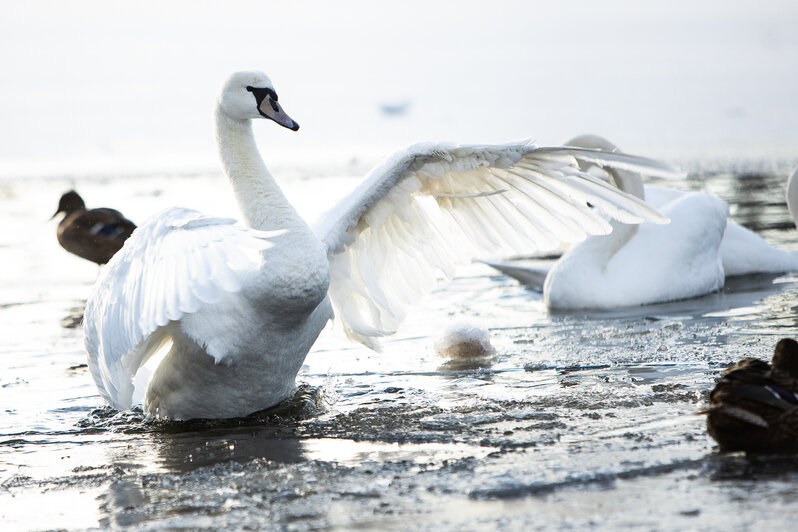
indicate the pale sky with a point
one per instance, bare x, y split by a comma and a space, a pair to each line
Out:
97, 86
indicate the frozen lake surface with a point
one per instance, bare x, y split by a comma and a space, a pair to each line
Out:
580, 420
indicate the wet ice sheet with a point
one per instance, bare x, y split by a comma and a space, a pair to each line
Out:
580, 420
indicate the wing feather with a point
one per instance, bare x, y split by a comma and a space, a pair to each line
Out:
433, 206
172, 265
539, 190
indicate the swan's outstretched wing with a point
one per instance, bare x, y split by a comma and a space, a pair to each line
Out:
435, 205
175, 262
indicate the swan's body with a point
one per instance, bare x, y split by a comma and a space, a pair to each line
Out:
654, 264
238, 308
645, 264
743, 252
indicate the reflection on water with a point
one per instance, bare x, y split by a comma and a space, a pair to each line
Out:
756, 199
578, 418
186, 452
738, 466
115, 504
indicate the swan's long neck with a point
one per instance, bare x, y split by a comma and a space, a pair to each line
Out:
603, 248
629, 182
610, 244
262, 202
622, 233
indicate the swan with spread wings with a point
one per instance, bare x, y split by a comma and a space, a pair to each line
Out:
231, 310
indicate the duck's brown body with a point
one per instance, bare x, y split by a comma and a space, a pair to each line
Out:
754, 406
95, 234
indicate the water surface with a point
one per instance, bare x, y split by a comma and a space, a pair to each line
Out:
581, 420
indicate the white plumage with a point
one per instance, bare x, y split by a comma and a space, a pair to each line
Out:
657, 263
435, 205
645, 264
236, 308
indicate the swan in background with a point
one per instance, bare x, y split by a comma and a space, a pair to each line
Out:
199, 317
95, 234
646, 263
636, 264
742, 252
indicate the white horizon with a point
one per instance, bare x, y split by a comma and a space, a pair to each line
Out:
89, 87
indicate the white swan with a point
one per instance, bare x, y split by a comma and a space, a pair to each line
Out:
650, 279
637, 265
236, 309
647, 263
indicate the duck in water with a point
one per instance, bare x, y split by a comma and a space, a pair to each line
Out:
754, 406
94, 234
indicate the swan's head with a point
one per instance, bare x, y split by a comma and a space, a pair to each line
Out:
250, 94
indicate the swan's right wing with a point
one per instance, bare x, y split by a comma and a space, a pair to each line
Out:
436, 205
171, 265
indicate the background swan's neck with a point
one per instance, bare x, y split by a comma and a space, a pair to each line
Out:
261, 201
599, 250
609, 245
629, 182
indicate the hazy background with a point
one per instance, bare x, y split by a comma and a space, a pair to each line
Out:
110, 88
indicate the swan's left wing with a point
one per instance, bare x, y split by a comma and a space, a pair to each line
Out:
174, 263
434, 205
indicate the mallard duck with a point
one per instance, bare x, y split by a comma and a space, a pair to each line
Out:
754, 406
95, 234
231, 310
